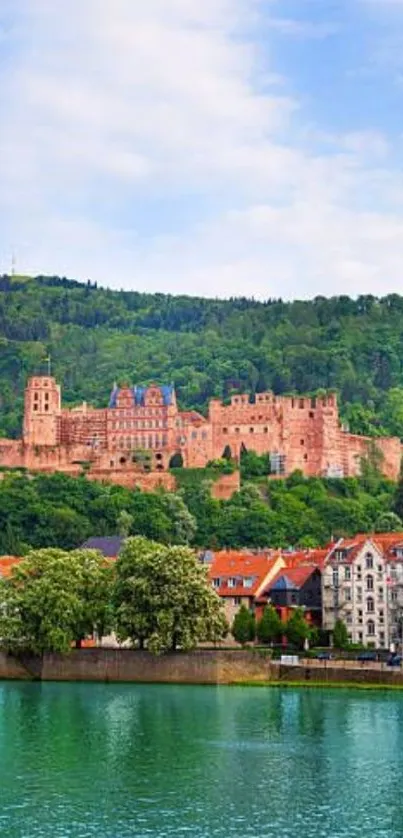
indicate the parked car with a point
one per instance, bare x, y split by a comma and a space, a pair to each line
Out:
323, 656
367, 656
394, 660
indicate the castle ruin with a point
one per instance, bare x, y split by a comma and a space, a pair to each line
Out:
142, 431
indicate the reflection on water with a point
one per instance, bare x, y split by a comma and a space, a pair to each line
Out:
82, 760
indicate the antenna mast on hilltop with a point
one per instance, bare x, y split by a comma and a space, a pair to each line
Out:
13, 264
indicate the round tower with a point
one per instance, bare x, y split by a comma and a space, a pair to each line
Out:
42, 410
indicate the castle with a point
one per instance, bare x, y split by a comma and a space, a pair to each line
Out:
141, 433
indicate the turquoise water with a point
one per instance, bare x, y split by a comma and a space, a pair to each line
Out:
78, 761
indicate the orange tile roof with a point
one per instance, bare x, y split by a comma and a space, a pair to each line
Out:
231, 564
306, 557
7, 563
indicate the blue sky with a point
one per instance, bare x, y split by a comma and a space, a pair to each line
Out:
230, 147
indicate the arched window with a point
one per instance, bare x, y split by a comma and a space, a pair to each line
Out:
370, 604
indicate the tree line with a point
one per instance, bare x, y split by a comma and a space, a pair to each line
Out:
62, 511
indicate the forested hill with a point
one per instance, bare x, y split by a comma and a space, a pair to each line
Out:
206, 347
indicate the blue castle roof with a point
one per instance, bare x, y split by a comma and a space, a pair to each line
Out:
139, 394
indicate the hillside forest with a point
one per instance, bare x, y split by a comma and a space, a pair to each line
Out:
208, 348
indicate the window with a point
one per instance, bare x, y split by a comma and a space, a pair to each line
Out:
359, 594
370, 583
265, 430
247, 582
393, 596
251, 430
216, 582
237, 600
237, 430
225, 430
347, 573
347, 592
380, 568
35, 407
358, 571
380, 593
335, 578
381, 638
369, 560
349, 619
302, 442
204, 434
231, 582
360, 636
370, 604
370, 628
194, 434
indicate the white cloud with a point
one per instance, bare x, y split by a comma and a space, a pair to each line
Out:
117, 109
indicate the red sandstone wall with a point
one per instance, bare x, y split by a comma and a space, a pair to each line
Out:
226, 485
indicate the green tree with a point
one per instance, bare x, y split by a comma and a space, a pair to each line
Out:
54, 599
163, 598
269, 627
124, 522
297, 630
388, 522
243, 627
340, 635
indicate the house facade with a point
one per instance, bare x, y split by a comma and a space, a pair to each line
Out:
356, 591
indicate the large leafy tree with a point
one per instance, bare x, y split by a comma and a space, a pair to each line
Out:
163, 599
55, 599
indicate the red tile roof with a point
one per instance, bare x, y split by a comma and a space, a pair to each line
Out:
296, 575
7, 563
231, 564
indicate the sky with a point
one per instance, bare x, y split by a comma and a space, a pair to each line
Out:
207, 147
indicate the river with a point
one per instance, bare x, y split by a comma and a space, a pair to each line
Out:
113, 761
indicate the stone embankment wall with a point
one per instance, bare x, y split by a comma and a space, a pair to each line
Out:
200, 667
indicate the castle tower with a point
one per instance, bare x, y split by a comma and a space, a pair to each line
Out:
42, 410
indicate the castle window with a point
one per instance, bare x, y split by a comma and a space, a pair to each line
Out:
292, 402
194, 435
302, 442
251, 430
260, 417
35, 407
204, 434
305, 457
225, 430
46, 406
36, 397
302, 403
46, 397
266, 430
311, 414
313, 402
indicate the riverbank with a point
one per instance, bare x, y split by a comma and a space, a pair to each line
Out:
248, 667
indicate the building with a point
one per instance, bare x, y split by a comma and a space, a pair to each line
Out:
142, 433
355, 590
239, 577
297, 587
